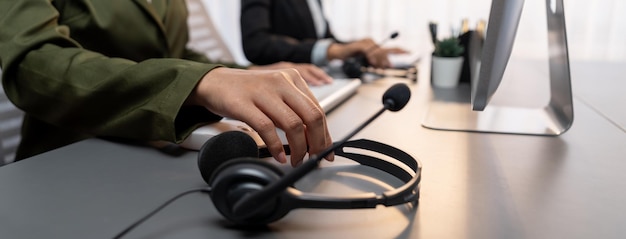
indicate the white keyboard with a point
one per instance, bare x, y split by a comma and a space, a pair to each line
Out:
331, 95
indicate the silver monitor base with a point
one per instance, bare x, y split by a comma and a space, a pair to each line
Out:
458, 116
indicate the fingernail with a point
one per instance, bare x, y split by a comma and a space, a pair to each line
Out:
282, 158
330, 157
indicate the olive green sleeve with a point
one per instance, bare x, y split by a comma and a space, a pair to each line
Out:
199, 57
52, 78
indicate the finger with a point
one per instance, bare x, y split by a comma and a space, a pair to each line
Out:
310, 77
320, 74
328, 143
313, 118
372, 59
384, 60
315, 128
396, 50
380, 58
265, 127
302, 87
294, 130
291, 123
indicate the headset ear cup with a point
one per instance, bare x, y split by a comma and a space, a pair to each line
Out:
223, 147
352, 67
238, 177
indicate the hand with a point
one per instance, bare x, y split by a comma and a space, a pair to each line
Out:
267, 100
311, 73
343, 51
377, 57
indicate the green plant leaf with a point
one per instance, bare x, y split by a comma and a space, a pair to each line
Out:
449, 47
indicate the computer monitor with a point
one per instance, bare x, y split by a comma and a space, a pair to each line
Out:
468, 108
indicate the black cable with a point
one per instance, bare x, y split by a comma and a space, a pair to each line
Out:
146, 217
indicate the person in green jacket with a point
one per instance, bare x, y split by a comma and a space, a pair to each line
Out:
120, 69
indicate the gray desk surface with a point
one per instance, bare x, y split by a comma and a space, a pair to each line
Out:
473, 185
601, 85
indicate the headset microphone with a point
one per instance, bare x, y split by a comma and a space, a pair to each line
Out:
394, 99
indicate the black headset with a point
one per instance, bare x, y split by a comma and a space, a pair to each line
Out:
353, 66
230, 164
357, 65
249, 191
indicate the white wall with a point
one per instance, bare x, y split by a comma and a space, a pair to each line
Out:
596, 29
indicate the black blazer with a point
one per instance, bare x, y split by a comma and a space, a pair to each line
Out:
278, 30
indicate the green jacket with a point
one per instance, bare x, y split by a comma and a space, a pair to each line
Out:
106, 68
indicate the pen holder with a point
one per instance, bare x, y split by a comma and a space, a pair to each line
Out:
464, 39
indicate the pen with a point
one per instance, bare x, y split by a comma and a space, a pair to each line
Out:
480, 27
464, 26
432, 26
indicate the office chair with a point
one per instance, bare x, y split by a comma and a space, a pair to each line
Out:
204, 37
10, 126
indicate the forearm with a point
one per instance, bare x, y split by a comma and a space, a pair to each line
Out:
104, 96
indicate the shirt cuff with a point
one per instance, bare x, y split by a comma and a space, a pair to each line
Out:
320, 51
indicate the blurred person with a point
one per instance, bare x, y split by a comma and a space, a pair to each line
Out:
296, 31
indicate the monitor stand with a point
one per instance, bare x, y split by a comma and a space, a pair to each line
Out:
451, 108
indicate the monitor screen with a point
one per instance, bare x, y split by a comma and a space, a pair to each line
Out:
492, 60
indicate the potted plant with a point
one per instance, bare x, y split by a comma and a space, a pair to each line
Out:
447, 63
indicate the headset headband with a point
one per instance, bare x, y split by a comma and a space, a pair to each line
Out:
409, 192
234, 178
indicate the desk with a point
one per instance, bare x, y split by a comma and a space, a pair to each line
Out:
473, 185
600, 84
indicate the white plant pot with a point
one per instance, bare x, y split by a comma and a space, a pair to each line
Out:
446, 71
